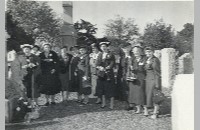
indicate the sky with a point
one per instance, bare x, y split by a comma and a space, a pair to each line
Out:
176, 13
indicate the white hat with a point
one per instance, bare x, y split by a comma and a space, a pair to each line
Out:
46, 43
106, 43
26, 45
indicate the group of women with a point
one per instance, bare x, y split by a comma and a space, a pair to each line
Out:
99, 74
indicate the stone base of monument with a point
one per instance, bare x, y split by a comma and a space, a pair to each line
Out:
9, 109
183, 102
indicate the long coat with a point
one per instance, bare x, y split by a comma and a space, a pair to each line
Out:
73, 74
64, 72
136, 93
153, 78
49, 82
93, 60
83, 71
105, 81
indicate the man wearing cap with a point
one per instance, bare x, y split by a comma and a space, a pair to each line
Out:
32, 66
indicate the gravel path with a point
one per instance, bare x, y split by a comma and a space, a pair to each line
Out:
70, 115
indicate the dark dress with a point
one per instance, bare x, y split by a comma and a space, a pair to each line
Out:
30, 78
120, 93
153, 79
136, 93
84, 70
105, 81
49, 83
64, 72
73, 74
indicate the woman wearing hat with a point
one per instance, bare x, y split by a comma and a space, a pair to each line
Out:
153, 80
93, 59
36, 50
50, 83
105, 81
65, 59
32, 67
83, 73
136, 79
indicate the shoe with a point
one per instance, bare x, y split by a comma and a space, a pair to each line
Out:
86, 103
97, 102
53, 103
46, 104
129, 108
111, 108
146, 114
103, 107
137, 112
154, 116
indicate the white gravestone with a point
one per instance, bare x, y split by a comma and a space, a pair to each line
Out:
183, 102
185, 64
168, 71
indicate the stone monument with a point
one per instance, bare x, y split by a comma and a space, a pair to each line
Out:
67, 31
168, 71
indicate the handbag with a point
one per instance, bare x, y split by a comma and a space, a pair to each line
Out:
158, 96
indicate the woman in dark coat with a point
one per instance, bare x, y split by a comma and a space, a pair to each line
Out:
105, 81
153, 80
73, 70
137, 84
49, 83
83, 73
64, 72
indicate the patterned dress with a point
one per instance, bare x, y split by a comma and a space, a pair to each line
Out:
136, 93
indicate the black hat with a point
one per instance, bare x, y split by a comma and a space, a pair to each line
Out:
36, 46
73, 47
149, 48
104, 43
83, 46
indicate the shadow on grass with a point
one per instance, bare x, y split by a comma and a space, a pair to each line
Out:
70, 108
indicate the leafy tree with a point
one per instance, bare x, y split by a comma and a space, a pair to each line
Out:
17, 34
36, 18
121, 31
185, 39
85, 32
158, 35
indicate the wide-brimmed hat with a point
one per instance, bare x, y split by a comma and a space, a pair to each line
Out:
26, 46
104, 43
46, 43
